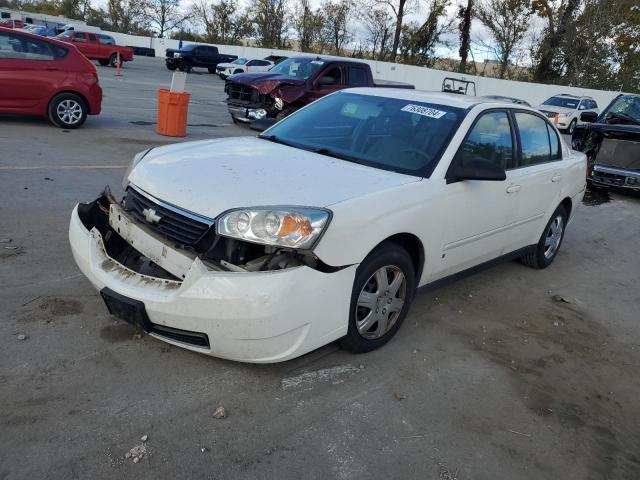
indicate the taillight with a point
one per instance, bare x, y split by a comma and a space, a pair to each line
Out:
89, 63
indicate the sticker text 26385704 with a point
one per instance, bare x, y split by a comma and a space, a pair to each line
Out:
426, 111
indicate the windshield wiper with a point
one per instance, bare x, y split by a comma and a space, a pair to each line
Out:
275, 139
623, 116
331, 153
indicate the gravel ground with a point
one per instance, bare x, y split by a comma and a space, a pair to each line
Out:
509, 373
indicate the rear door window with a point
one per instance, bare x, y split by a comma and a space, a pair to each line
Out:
489, 139
534, 139
358, 77
24, 48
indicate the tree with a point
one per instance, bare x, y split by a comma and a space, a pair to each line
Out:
307, 25
507, 22
559, 19
164, 15
465, 15
223, 21
420, 40
379, 27
126, 15
399, 9
335, 26
271, 20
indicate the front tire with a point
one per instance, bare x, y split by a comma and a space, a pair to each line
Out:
171, 67
185, 67
549, 245
67, 110
103, 61
113, 60
572, 126
382, 293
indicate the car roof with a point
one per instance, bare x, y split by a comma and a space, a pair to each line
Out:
568, 95
442, 98
37, 37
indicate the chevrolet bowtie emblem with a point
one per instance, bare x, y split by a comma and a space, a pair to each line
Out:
150, 215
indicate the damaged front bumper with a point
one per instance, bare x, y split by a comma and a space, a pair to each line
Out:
251, 316
606, 176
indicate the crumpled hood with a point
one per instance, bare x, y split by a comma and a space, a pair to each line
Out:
212, 176
265, 82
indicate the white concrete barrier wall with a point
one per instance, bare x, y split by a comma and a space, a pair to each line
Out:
422, 78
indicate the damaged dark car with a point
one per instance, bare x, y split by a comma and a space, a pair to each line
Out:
611, 142
294, 83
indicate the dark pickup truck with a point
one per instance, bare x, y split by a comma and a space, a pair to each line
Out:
611, 142
194, 55
294, 83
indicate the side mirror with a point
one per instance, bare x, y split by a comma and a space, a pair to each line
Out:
326, 80
479, 169
262, 124
589, 117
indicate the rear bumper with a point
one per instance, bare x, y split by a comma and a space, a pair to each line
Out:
95, 99
258, 317
615, 177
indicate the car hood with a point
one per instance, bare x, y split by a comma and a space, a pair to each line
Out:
265, 82
210, 177
553, 108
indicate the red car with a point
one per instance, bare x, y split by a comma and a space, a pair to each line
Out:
97, 46
46, 77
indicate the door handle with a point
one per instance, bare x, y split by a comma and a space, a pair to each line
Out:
513, 188
556, 178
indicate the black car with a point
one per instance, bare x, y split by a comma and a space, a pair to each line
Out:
194, 55
611, 142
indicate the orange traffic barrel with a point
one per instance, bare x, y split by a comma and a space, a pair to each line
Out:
172, 113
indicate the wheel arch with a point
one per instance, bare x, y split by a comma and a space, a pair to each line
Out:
414, 247
567, 203
72, 92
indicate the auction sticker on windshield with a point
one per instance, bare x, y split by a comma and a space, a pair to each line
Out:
426, 111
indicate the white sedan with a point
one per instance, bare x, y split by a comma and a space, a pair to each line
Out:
243, 65
323, 227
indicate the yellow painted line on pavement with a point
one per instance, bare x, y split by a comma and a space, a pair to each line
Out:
62, 167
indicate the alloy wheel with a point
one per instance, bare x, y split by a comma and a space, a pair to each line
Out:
380, 302
69, 111
553, 237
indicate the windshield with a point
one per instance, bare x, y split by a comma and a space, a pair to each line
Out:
624, 106
66, 34
404, 136
301, 68
239, 61
563, 102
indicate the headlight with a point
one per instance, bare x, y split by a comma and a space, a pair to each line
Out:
176, 55
564, 115
136, 160
292, 227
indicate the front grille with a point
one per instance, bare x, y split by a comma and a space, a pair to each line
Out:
609, 178
242, 94
181, 227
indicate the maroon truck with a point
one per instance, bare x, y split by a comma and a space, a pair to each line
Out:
294, 83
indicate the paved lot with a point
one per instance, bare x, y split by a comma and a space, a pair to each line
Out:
489, 378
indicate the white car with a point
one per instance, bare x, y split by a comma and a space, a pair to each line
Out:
565, 110
261, 249
243, 65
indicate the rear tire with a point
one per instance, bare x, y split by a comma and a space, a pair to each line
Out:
103, 61
550, 241
211, 70
67, 110
382, 293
